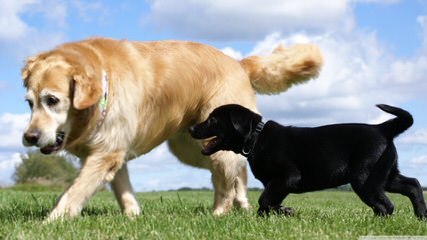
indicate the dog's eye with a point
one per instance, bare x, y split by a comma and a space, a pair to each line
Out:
212, 120
52, 101
30, 103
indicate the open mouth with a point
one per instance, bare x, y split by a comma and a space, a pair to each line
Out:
210, 146
60, 136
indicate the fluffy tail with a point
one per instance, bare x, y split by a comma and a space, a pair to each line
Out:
283, 68
398, 125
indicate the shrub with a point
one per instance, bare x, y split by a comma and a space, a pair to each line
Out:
37, 168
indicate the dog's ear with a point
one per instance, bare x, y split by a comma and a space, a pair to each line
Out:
242, 126
87, 90
243, 121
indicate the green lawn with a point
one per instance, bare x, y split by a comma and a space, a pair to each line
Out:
187, 215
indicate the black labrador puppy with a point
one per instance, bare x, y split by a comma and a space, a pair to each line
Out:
301, 159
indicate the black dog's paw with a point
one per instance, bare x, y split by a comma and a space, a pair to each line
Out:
279, 210
263, 211
423, 216
285, 211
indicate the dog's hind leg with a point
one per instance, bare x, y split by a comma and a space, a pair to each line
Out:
369, 181
97, 170
227, 169
374, 197
371, 192
124, 194
411, 188
240, 186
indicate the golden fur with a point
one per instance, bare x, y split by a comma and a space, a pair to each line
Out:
156, 91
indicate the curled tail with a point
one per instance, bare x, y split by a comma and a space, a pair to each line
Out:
283, 68
398, 125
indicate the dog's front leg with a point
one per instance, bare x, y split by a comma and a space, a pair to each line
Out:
124, 193
270, 200
97, 169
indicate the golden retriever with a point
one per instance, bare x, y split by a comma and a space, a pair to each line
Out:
108, 101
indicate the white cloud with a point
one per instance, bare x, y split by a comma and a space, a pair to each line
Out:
39, 41
376, 1
420, 160
422, 20
8, 161
19, 37
248, 19
42, 15
417, 137
232, 53
90, 11
54, 11
11, 129
11, 25
44, 26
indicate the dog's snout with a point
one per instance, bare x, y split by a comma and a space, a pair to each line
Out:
32, 137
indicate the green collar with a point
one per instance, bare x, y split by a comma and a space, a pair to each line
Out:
103, 103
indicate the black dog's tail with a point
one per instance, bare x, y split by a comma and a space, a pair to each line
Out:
398, 125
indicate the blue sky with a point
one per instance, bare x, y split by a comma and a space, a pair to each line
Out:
375, 52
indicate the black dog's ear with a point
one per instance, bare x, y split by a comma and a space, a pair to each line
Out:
243, 122
242, 126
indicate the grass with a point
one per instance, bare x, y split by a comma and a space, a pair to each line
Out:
187, 215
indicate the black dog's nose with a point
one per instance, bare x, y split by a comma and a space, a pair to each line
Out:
32, 137
191, 130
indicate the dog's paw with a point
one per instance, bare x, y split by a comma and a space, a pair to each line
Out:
244, 205
219, 212
263, 212
423, 216
286, 211
132, 212
56, 216
279, 210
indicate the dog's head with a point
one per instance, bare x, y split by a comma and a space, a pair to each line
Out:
59, 84
227, 128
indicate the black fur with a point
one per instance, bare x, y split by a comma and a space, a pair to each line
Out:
296, 160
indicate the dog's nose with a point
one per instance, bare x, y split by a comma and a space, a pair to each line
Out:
191, 130
32, 137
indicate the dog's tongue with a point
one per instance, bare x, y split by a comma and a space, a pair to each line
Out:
206, 149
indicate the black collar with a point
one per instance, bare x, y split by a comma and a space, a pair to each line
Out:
251, 139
